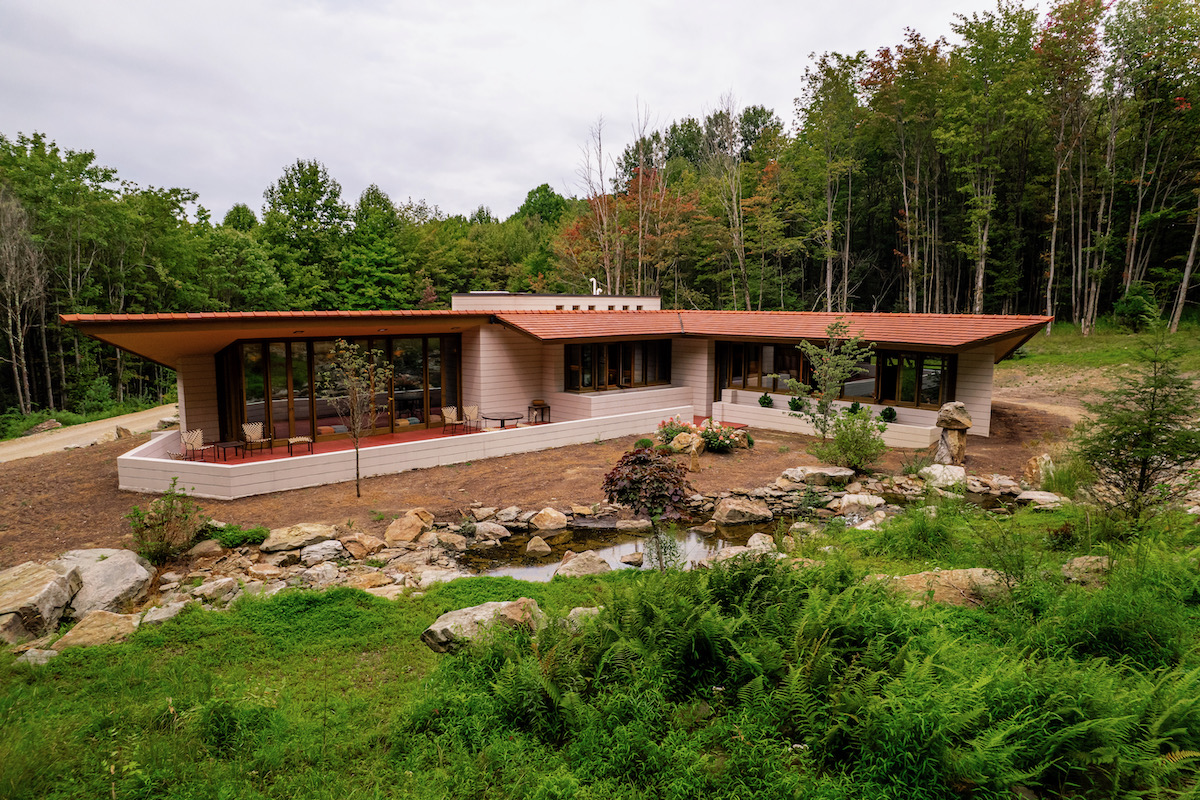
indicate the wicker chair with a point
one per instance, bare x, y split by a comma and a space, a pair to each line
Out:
450, 418
252, 435
299, 440
193, 444
471, 419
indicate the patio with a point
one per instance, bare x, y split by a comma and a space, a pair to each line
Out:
150, 469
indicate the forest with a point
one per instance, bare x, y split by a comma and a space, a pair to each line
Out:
1037, 164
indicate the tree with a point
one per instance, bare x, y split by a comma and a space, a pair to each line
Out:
304, 222
22, 287
351, 381
832, 366
543, 203
240, 217
1142, 440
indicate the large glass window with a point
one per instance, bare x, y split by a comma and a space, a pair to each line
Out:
616, 365
301, 396
254, 382
921, 380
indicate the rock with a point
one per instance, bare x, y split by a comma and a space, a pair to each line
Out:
577, 615
216, 590
123, 433
585, 563
727, 553
328, 550
264, 572
431, 576
761, 541
295, 537
112, 579
942, 476
739, 510
36, 657
320, 575
858, 503
209, 547
369, 580
819, 476
507, 515
390, 592
537, 547
1041, 499
548, 519
454, 541
633, 559
635, 525
1087, 570
1037, 469
160, 614
805, 530
951, 447
687, 443
361, 545
704, 529
954, 416
32, 597
482, 513
694, 463
42, 427
581, 511
454, 629
98, 627
491, 531
954, 587
409, 527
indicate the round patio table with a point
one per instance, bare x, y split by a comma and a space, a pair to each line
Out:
504, 417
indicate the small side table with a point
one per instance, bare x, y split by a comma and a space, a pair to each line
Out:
539, 414
225, 447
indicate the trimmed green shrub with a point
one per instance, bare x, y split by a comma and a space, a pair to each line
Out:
642, 443
766, 401
855, 442
888, 415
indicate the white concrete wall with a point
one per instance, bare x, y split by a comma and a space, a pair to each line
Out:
503, 301
571, 405
196, 380
145, 470
778, 419
974, 388
502, 369
693, 364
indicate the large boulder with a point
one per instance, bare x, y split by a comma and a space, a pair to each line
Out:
98, 627
739, 510
943, 476
32, 597
112, 579
1037, 468
295, 537
328, 550
491, 531
954, 587
409, 527
1041, 499
361, 545
954, 416
687, 443
548, 519
455, 629
819, 476
1090, 571
586, 563
160, 614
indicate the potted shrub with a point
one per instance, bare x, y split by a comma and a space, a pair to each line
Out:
766, 401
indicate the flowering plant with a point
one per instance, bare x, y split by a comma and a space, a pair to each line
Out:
717, 437
668, 429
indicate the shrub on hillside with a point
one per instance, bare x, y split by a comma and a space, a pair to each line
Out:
171, 523
856, 441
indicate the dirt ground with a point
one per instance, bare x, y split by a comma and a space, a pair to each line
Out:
69, 500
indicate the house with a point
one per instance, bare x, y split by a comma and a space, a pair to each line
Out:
602, 367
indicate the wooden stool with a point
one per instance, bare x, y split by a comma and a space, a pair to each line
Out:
295, 440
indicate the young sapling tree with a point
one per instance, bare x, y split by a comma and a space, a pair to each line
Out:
350, 382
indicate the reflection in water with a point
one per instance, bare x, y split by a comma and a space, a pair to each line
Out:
511, 560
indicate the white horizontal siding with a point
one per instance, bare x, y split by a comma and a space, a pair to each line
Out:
778, 419
974, 388
140, 471
196, 380
693, 365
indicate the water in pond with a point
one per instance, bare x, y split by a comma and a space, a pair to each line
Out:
510, 558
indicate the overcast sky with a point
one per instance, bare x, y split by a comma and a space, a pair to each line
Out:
460, 103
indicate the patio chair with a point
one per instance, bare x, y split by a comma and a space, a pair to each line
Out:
252, 435
450, 418
471, 419
295, 440
193, 444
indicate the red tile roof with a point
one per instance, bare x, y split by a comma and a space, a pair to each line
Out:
952, 331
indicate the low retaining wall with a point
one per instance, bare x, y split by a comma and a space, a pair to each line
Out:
149, 469
779, 419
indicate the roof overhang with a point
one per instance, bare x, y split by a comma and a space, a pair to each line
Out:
166, 338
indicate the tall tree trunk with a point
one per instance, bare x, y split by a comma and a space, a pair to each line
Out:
1185, 282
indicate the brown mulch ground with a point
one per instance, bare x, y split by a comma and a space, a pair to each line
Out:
69, 500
